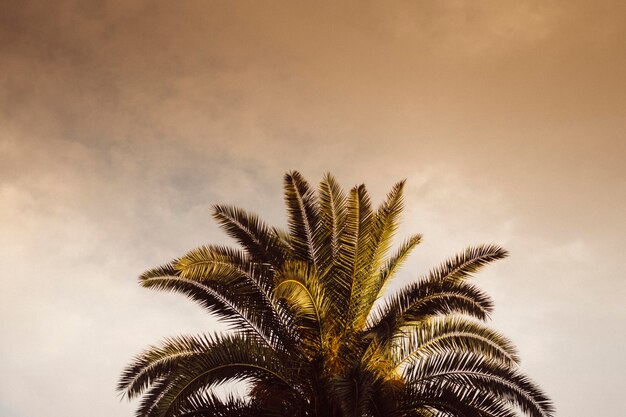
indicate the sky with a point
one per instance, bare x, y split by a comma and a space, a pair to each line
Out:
122, 122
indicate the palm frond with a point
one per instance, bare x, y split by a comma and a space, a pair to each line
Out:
428, 297
207, 404
395, 262
476, 375
387, 271
298, 284
332, 209
260, 241
184, 366
442, 398
468, 262
355, 251
384, 226
221, 262
439, 335
233, 299
303, 217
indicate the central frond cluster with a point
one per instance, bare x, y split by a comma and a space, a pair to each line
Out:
308, 335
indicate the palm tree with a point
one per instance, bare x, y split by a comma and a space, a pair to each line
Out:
312, 334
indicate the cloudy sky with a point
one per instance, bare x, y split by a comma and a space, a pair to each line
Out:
123, 121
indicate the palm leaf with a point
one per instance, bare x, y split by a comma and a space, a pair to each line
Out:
428, 297
476, 375
332, 210
354, 253
184, 366
468, 262
298, 285
384, 226
233, 299
260, 241
303, 217
452, 334
395, 262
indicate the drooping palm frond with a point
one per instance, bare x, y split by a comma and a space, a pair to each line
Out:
186, 365
221, 262
439, 335
230, 297
426, 298
476, 375
441, 398
253, 282
443, 291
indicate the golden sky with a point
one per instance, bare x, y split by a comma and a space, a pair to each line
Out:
123, 121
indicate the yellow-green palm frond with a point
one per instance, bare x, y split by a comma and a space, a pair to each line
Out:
222, 262
298, 284
353, 268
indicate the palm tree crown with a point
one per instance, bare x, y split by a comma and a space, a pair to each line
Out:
312, 335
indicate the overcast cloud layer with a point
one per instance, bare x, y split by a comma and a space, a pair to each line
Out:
123, 121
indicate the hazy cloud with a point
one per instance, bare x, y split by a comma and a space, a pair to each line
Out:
123, 121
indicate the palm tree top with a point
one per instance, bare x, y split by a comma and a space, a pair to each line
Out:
312, 333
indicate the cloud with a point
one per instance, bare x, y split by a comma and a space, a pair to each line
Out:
122, 122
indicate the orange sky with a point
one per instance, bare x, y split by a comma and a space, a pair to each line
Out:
123, 121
